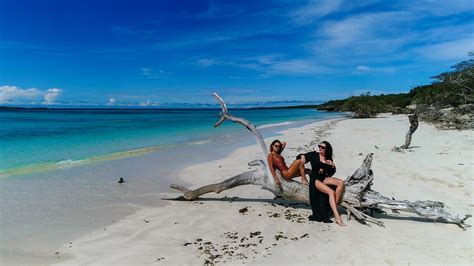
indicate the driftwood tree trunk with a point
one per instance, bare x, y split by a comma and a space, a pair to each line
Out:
413, 126
357, 199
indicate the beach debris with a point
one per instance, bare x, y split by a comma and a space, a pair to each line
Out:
229, 199
243, 210
292, 214
280, 236
230, 251
121, 181
231, 235
357, 198
257, 233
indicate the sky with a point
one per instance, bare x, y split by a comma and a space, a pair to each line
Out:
176, 53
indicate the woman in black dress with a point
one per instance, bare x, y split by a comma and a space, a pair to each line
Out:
321, 194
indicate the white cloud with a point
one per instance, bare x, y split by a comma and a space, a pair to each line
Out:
111, 101
274, 64
394, 35
437, 8
148, 103
152, 74
314, 10
453, 50
373, 70
14, 94
51, 95
363, 68
207, 62
365, 30
148, 72
296, 66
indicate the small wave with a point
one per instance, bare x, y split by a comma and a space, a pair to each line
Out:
275, 124
201, 142
69, 162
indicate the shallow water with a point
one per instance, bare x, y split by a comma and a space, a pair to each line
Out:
42, 210
41, 140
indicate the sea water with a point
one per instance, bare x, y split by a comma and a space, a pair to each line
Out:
38, 140
59, 168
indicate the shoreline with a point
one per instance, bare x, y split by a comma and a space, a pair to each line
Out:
185, 176
36, 168
214, 229
69, 138
174, 228
135, 194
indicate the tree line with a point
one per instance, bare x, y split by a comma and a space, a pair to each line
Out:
453, 88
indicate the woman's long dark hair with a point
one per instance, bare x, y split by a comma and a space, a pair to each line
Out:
273, 142
328, 154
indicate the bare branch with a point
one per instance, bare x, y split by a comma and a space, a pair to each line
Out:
358, 196
251, 127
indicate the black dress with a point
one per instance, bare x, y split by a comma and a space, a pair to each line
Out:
319, 200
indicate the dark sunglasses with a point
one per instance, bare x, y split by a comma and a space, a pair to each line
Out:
322, 147
276, 146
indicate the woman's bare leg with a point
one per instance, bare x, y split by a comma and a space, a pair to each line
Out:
304, 171
303, 174
294, 171
332, 200
339, 186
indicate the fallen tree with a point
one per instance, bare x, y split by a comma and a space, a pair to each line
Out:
358, 197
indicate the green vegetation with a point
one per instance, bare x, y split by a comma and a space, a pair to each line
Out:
452, 88
367, 105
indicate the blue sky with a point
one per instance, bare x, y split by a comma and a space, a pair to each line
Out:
172, 53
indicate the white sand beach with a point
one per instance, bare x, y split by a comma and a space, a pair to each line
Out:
245, 225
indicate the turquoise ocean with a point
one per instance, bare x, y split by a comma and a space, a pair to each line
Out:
59, 167
39, 140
